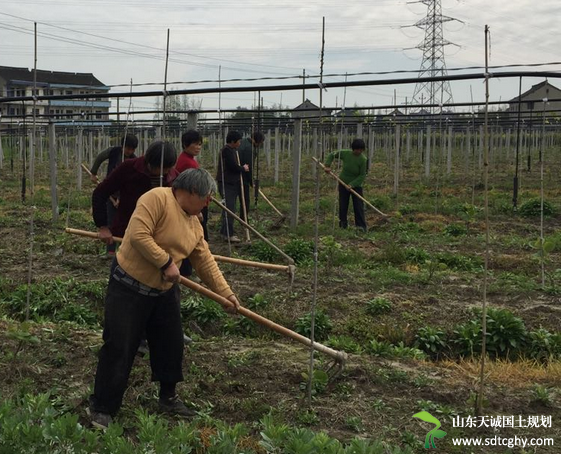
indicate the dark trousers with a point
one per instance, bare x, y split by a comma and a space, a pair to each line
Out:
204, 212
128, 315
111, 211
358, 207
230, 193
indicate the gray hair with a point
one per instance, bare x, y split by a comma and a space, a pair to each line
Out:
195, 181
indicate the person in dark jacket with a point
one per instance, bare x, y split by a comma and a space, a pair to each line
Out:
132, 179
247, 156
114, 156
229, 183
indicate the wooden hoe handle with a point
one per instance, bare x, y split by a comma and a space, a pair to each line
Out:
338, 356
219, 258
350, 189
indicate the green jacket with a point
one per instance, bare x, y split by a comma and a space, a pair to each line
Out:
354, 167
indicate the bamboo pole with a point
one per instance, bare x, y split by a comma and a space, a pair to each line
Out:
485, 142
235, 216
340, 357
219, 258
351, 190
242, 199
266, 266
113, 200
271, 204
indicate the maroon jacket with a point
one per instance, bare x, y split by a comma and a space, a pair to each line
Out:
131, 179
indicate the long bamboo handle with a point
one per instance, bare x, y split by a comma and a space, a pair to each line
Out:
242, 199
338, 356
236, 261
113, 200
271, 204
350, 189
235, 216
218, 258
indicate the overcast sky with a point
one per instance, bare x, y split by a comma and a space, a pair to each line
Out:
120, 40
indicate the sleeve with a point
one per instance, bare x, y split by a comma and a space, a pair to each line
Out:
245, 153
103, 156
230, 161
104, 190
207, 269
331, 156
181, 164
359, 180
142, 226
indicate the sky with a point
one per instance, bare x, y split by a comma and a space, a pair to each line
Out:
123, 40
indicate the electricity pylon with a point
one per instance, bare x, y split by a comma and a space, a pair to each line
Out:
433, 64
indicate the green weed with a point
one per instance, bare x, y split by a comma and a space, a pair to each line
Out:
322, 325
379, 305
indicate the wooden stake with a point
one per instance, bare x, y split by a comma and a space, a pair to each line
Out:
351, 190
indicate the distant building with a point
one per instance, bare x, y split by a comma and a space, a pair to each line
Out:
348, 116
18, 82
532, 101
309, 110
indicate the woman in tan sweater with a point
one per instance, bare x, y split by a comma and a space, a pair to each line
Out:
143, 293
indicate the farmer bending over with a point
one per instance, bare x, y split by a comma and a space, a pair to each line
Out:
131, 179
114, 156
143, 293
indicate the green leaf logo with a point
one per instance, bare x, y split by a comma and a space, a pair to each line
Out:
434, 433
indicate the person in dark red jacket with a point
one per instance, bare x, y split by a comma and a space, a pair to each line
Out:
131, 179
114, 156
192, 141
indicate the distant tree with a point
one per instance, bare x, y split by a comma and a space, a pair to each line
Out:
177, 108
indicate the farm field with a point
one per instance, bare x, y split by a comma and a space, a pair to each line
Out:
402, 299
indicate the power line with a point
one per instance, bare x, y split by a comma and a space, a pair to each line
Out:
325, 85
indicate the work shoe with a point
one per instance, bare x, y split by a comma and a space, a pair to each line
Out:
232, 239
186, 339
173, 406
98, 419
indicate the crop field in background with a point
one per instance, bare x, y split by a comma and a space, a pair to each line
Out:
402, 299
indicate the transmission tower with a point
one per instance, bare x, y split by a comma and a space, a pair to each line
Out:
433, 64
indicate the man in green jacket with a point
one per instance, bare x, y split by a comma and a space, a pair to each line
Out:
353, 174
